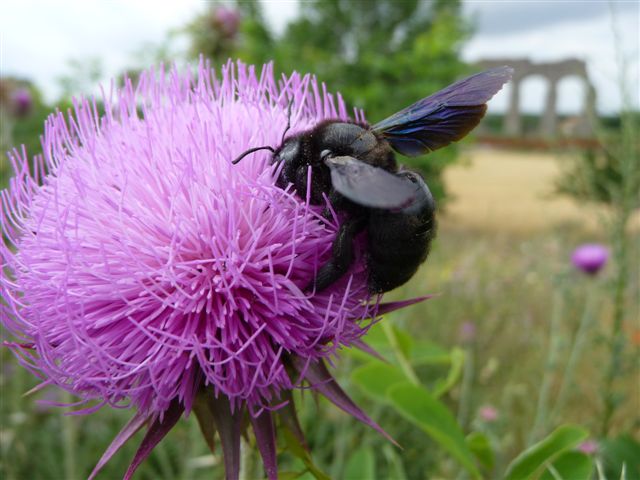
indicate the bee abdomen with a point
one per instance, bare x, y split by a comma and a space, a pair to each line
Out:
397, 245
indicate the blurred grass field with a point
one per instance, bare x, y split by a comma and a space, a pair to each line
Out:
511, 190
500, 259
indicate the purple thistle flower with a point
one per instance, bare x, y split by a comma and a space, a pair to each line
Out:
488, 413
147, 270
467, 332
589, 447
590, 258
22, 102
228, 19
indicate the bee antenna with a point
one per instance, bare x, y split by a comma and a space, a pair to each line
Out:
267, 147
251, 150
288, 120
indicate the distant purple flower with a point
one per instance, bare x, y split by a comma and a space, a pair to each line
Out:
488, 413
588, 447
22, 102
590, 258
228, 19
467, 332
145, 269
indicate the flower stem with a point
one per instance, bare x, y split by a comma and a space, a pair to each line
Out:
541, 416
467, 384
69, 442
342, 439
576, 350
246, 461
617, 340
626, 198
405, 365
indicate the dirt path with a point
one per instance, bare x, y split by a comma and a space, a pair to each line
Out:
511, 190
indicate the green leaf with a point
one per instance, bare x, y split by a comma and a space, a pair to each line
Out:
394, 463
429, 353
361, 465
294, 447
457, 363
405, 340
529, 462
480, 446
358, 354
569, 466
422, 409
290, 475
377, 338
623, 450
375, 378
307, 476
206, 420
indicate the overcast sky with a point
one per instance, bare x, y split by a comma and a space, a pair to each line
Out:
37, 38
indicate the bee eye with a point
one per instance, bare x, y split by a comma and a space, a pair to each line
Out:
407, 174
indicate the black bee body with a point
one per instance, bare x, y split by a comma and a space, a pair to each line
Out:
341, 139
397, 240
354, 167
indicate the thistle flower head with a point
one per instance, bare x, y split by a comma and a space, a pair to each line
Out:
22, 102
488, 413
145, 269
589, 447
467, 332
590, 258
146, 263
227, 19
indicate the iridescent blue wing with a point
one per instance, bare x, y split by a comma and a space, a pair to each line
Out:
370, 186
445, 116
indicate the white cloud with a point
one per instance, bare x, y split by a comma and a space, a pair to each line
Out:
40, 37
499, 17
586, 37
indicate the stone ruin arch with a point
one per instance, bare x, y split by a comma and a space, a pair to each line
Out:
553, 72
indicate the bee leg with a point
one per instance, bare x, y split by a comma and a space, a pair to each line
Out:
337, 202
342, 255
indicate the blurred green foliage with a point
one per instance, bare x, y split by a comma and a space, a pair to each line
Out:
381, 56
598, 175
81, 77
17, 129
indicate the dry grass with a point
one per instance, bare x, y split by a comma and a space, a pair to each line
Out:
511, 190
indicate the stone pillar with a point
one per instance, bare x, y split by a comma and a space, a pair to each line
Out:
512, 121
549, 121
589, 100
588, 115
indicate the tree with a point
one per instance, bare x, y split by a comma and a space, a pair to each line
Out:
382, 56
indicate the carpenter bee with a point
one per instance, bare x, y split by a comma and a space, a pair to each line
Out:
353, 166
